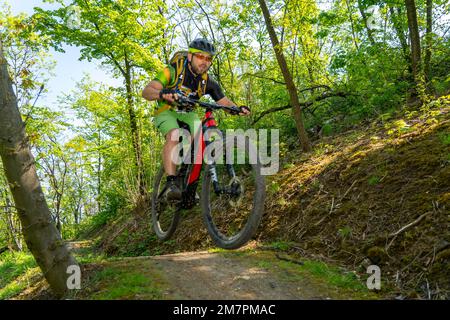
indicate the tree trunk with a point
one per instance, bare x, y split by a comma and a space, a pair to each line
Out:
352, 24
58, 212
296, 109
13, 229
400, 34
41, 236
364, 16
135, 136
99, 172
428, 40
414, 37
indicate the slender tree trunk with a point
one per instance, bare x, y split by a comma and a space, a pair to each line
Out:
13, 229
352, 24
99, 172
364, 16
428, 40
135, 136
400, 34
58, 211
414, 37
304, 141
40, 234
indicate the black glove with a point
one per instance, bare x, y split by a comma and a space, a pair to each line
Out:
166, 91
244, 107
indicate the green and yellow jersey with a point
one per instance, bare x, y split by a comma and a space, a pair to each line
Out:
191, 85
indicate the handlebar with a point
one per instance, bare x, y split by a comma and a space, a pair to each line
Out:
184, 101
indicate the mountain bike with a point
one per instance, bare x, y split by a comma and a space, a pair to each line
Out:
232, 187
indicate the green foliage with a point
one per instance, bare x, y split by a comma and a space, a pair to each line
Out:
445, 138
275, 187
29, 62
398, 127
431, 109
102, 217
345, 232
115, 32
327, 129
322, 148
373, 180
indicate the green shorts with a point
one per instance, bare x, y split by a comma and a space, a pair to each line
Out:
167, 120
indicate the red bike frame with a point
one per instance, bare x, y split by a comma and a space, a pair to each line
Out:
208, 121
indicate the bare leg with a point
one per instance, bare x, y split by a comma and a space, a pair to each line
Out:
171, 142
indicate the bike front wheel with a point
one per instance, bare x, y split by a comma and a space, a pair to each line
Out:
165, 214
233, 195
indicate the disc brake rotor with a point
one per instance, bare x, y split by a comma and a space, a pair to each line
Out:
235, 201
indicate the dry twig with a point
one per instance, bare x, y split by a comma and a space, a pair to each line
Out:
404, 228
329, 213
289, 260
348, 189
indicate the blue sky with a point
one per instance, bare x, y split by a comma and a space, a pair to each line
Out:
69, 70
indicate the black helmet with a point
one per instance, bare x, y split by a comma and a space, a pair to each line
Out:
201, 44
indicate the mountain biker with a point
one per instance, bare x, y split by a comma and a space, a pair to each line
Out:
191, 78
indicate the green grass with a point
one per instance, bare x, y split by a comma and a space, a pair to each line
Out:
216, 250
11, 290
334, 276
289, 166
274, 187
90, 257
345, 232
14, 264
281, 245
264, 265
330, 280
19, 284
373, 180
322, 148
114, 283
16, 270
445, 138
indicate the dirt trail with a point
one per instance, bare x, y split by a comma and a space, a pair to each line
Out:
245, 274
203, 275
226, 276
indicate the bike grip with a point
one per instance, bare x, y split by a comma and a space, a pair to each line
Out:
244, 107
166, 91
235, 110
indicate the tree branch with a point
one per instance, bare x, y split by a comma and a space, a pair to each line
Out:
266, 78
304, 105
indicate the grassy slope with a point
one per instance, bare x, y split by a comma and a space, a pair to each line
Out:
347, 202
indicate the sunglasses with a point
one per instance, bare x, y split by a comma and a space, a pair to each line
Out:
203, 57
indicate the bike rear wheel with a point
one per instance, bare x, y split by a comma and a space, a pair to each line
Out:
233, 203
165, 215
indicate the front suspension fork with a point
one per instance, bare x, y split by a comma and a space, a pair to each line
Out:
213, 173
218, 189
